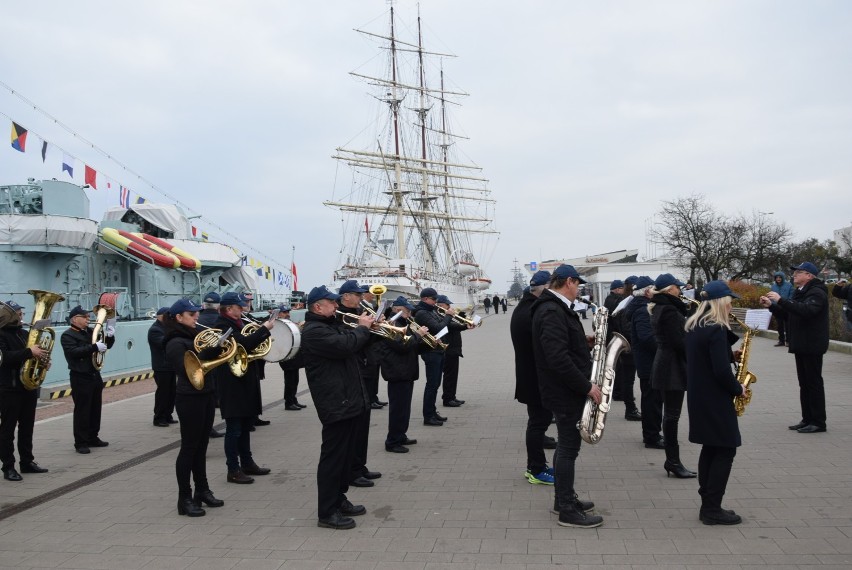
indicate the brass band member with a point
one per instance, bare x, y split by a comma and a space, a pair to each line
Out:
452, 357
87, 386
564, 366
711, 388
195, 409
258, 366
426, 316
291, 372
334, 378
17, 404
164, 374
239, 397
210, 314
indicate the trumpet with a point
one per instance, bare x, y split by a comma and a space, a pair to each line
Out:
210, 337
431, 340
384, 330
475, 322
197, 368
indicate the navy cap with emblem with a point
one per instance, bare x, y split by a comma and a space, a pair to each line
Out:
14, 306
717, 290
643, 281
162, 311
321, 292
232, 298
806, 266
565, 271
666, 280
78, 310
212, 297
428, 292
183, 306
444, 299
540, 278
617, 284
401, 301
352, 286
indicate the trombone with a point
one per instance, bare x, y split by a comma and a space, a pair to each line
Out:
384, 330
474, 322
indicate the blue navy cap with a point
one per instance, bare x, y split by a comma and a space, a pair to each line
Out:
162, 311
540, 278
617, 284
643, 281
14, 306
566, 271
444, 299
232, 298
183, 306
244, 297
717, 290
807, 266
284, 308
631, 280
321, 292
401, 301
212, 297
665, 280
78, 310
352, 286
428, 292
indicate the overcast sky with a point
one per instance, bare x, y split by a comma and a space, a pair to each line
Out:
584, 115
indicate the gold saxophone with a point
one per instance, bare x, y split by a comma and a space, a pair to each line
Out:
744, 376
34, 370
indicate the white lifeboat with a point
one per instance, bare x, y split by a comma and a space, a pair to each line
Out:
480, 282
466, 268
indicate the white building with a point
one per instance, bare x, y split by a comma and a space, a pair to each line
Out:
843, 239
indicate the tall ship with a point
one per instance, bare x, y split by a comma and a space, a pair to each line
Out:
416, 212
135, 260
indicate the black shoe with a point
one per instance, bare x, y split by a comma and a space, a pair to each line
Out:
255, 469
161, 423
396, 448
32, 467
719, 516
293, 407
779, 343
214, 434
658, 444
571, 516
83, 449
678, 470
11, 475
452, 404
439, 417
432, 422
372, 475
207, 498
336, 521
633, 415
188, 508
798, 426
260, 422
376, 406
811, 429
172, 421
98, 443
301, 405
252, 428
379, 402
549, 442
347, 509
361, 482
239, 477
409, 441
584, 506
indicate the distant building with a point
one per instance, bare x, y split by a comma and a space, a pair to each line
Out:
843, 239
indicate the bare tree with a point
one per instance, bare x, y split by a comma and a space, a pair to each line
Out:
762, 249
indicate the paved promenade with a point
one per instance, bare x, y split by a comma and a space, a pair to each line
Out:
457, 500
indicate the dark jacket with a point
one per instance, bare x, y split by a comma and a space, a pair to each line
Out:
668, 316
239, 396
368, 359
842, 292
486, 302
156, 342
785, 289
78, 349
13, 344
806, 314
454, 338
613, 324
711, 387
177, 341
331, 367
526, 375
562, 357
643, 345
426, 315
398, 359
208, 317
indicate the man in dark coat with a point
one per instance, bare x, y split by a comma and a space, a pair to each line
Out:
625, 370
17, 404
87, 386
164, 374
452, 357
340, 397
495, 302
291, 372
526, 382
806, 314
843, 291
425, 315
207, 317
564, 367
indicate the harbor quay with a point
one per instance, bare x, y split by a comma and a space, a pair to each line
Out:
458, 499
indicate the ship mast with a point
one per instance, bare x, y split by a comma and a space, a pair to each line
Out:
396, 191
425, 197
445, 143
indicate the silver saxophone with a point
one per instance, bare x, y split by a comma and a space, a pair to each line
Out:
604, 358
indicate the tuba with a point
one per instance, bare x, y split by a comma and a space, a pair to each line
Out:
102, 314
196, 368
744, 376
604, 358
34, 370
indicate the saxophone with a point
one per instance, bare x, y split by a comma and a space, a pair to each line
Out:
744, 376
604, 358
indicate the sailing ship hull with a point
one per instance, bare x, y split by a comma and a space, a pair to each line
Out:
460, 295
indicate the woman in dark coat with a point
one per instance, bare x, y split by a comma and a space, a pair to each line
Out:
711, 388
195, 409
668, 373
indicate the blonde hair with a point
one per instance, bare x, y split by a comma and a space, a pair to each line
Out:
712, 312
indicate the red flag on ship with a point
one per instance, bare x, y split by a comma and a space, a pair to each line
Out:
91, 177
295, 276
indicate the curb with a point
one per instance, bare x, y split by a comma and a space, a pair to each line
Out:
65, 392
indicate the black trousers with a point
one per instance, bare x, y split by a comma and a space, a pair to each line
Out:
164, 397
399, 411
87, 394
434, 361
291, 385
196, 413
17, 410
565, 456
451, 377
360, 443
238, 443
537, 424
625, 378
672, 406
372, 383
651, 403
334, 468
782, 329
811, 388
714, 469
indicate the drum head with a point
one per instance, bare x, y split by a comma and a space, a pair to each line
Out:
284, 336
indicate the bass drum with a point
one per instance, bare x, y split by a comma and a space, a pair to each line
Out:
286, 339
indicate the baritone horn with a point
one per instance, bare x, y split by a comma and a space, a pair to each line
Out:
102, 314
34, 370
196, 368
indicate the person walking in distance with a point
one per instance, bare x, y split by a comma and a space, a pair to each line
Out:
806, 313
487, 304
784, 289
495, 302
